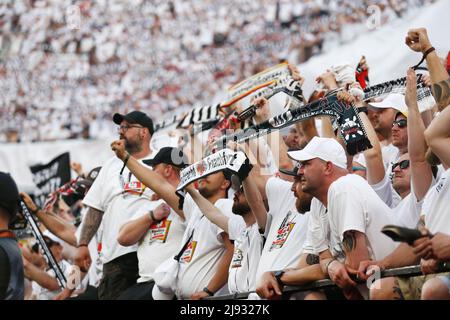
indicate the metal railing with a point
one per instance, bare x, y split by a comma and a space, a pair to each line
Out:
410, 271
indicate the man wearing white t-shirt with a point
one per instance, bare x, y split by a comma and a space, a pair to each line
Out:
206, 250
242, 230
157, 230
356, 214
114, 197
307, 268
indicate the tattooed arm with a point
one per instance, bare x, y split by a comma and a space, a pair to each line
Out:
355, 248
417, 40
90, 226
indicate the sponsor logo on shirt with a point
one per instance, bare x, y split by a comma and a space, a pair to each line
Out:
283, 232
440, 185
189, 252
159, 231
134, 187
238, 256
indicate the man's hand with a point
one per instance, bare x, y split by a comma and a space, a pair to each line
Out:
268, 286
63, 295
262, 109
162, 211
29, 202
83, 258
118, 147
76, 166
411, 89
367, 268
339, 275
429, 266
328, 80
440, 245
417, 40
199, 295
295, 74
346, 97
422, 246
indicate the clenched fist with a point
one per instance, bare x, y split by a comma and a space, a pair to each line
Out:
417, 40
118, 147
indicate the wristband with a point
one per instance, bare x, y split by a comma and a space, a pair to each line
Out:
363, 109
153, 216
82, 245
210, 293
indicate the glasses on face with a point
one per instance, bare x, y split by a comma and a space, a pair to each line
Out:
403, 165
400, 123
126, 127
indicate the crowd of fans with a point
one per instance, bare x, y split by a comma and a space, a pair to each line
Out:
65, 66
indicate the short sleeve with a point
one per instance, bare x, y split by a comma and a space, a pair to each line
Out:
95, 196
236, 226
347, 214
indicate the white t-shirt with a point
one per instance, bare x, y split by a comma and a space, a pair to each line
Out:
318, 228
406, 211
436, 205
44, 293
285, 231
199, 261
119, 197
354, 205
248, 244
162, 241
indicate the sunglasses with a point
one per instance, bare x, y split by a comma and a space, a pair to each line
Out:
403, 165
400, 123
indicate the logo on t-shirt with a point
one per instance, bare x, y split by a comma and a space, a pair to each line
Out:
238, 256
189, 252
283, 232
134, 187
159, 231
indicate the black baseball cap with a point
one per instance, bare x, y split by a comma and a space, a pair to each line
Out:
293, 172
135, 117
91, 176
9, 194
169, 155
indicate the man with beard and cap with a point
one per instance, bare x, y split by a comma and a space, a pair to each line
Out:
157, 232
114, 197
206, 251
355, 213
307, 268
242, 230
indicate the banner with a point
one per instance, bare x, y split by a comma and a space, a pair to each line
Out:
49, 177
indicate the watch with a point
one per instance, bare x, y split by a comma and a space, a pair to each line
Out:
278, 274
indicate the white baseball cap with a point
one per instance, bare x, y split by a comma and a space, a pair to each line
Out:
327, 149
393, 100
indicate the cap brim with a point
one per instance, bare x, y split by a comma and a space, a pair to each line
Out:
300, 155
150, 162
289, 172
118, 118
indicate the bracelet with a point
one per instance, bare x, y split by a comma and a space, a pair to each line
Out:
429, 50
425, 54
328, 265
126, 159
82, 245
209, 292
363, 109
153, 216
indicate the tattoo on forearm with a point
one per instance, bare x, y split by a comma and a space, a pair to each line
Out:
349, 241
312, 259
91, 224
398, 295
441, 93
